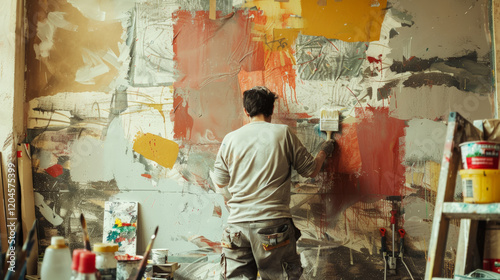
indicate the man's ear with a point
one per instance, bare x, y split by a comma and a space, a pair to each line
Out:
246, 113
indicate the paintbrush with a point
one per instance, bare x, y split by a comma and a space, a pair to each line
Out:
86, 240
144, 262
329, 122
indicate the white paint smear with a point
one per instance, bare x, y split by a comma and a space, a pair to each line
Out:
46, 211
148, 111
96, 160
189, 209
46, 30
153, 54
102, 10
94, 67
57, 110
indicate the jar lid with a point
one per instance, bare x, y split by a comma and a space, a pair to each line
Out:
76, 258
57, 241
87, 262
105, 247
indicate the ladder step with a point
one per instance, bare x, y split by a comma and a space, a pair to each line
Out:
460, 210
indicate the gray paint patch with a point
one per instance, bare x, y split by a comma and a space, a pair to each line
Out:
424, 141
441, 28
437, 102
321, 59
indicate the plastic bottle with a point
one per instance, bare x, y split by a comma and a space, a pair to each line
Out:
86, 269
76, 263
56, 263
105, 260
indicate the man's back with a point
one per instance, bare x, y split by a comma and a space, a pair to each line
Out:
256, 160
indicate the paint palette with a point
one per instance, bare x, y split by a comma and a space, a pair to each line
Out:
120, 225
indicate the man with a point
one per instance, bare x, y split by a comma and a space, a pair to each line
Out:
255, 162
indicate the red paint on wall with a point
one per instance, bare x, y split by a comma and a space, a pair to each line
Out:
183, 122
55, 170
380, 139
209, 54
280, 75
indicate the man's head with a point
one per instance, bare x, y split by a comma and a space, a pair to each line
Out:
259, 100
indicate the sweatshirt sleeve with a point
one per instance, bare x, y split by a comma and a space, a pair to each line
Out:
302, 161
220, 176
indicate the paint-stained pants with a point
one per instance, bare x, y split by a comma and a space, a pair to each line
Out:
267, 246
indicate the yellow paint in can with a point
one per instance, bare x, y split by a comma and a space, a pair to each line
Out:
480, 185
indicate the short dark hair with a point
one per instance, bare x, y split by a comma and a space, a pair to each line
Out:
259, 100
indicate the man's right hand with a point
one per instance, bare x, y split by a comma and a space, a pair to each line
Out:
328, 147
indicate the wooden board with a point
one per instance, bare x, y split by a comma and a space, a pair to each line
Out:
3, 225
458, 210
459, 130
27, 200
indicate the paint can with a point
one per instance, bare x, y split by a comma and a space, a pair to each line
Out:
480, 155
127, 266
159, 256
480, 185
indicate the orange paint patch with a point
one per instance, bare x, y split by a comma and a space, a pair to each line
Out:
350, 21
156, 148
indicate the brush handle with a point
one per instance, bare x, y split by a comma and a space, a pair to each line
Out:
328, 135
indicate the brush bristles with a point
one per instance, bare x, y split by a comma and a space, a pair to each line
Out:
329, 120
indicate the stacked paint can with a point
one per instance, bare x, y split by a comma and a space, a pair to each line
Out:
481, 173
491, 258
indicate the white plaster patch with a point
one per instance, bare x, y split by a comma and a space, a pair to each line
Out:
182, 211
56, 110
46, 30
97, 160
148, 111
93, 67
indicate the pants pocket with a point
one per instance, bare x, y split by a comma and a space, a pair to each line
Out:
231, 238
275, 236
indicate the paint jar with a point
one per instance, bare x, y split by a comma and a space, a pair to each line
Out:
127, 267
159, 256
480, 185
480, 155
105, 260
56, 261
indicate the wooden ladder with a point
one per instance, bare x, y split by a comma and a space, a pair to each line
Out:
472, 216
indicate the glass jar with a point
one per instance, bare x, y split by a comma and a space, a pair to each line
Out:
105, 260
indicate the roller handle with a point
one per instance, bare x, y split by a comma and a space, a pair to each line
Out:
402, 233
383, 247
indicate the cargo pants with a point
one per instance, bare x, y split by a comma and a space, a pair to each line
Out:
268, 247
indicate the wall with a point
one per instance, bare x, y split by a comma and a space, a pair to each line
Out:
129, 101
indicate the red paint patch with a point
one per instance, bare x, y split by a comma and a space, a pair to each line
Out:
55, 170
146, 175
209, 55
183, 122
380, 145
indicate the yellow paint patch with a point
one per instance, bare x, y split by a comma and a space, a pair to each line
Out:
347, 20
156, 148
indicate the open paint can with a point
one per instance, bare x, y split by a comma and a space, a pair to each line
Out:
480, 155
159, 256
480, 185
127, 266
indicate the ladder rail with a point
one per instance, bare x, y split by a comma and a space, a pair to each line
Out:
458, 130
